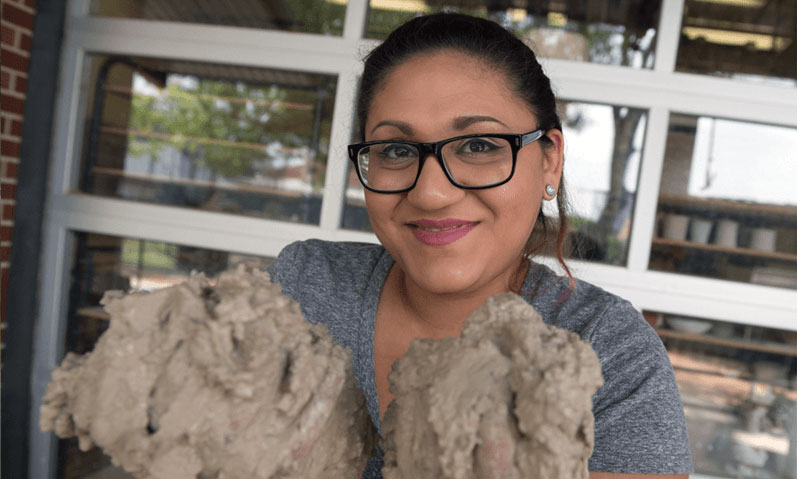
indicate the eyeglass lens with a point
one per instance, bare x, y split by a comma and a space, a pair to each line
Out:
480, 161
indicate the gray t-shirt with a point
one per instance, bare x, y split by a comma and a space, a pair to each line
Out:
639, 420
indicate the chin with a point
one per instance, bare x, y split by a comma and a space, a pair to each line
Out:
442, 280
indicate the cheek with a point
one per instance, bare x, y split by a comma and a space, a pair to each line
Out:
518, 204
380, 209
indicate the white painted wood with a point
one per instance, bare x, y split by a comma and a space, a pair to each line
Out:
215, 44
356, 17
78, 8
678, 92
338, 160
647, 195
190, 227
668, 35
693, 295
48, 338
67, 127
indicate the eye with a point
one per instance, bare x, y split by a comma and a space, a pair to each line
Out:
477, 145
396, 151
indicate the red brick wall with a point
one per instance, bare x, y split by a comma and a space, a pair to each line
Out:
16, 25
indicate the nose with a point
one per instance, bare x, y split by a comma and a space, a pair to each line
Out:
433, 190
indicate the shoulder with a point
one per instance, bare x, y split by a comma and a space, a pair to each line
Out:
320, 266
334, 283
330, 281
639, 421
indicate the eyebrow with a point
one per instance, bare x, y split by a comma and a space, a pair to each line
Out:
460, 123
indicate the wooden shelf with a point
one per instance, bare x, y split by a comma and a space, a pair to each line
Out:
93, 312
237, 187
736, 208
772, 255
773, 348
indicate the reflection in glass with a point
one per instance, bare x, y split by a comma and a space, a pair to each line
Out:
751, 39
727, 207
307, 16
738, 385
239, 140
603, 146
106, 262
599, 32
355, 216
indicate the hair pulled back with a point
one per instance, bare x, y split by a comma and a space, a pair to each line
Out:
499, 49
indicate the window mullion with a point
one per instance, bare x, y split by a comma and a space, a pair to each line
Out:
669, 33
642, 224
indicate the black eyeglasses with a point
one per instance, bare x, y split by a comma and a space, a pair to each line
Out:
472, 162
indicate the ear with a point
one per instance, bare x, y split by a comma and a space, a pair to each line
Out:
553, 158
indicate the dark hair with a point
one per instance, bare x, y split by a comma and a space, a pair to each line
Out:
500, 49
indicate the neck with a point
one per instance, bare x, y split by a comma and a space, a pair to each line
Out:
441, 315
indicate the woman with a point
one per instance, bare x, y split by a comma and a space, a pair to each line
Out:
462, 143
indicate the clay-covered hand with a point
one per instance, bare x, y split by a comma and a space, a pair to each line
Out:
510, 398
214, 381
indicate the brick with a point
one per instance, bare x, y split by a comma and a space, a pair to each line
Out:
16, 15
21, 85
15, 127
14, 61
8, 212
9, 148
7, 191
8, 36
6, 232
5, 254
3, 125
6, 79
24, 41
12, 171
31, 4
14, 105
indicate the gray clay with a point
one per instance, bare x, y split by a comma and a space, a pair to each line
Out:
195, 381
510, 398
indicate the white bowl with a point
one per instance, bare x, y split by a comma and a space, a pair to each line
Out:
689, 325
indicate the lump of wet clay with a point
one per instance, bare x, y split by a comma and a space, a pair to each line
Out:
204, 382
510, 398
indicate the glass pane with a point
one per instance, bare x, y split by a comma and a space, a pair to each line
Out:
750, 39
727, 206
603, 147
249, 141
355, 216
307, 16
598, 32
106, 262
738, 385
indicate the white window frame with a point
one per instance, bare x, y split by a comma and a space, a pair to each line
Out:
660, 91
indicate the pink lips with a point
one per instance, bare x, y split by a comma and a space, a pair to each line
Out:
441, 232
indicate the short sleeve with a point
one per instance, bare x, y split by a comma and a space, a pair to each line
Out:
285, 269
640, 426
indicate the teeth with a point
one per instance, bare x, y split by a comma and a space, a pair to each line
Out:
437, 230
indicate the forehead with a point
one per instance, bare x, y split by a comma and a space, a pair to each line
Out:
430, 90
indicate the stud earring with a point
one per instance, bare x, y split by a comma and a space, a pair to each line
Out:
550, 190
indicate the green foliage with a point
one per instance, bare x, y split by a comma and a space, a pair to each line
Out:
222, 125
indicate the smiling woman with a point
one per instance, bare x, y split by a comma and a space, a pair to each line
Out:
461, 145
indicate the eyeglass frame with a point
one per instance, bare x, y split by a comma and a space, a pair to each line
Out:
516, 142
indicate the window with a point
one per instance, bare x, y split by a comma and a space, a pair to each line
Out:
727, 207
189, 135
307, 16
233, 139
